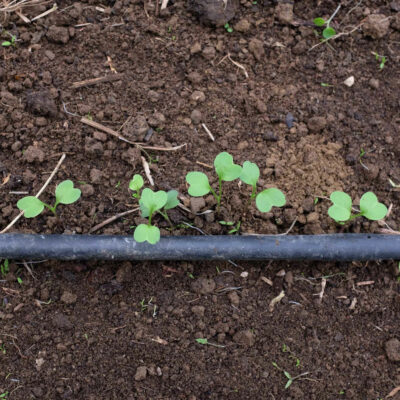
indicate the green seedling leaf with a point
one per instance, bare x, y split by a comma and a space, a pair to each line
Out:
6, 44
66, 193
227, 223
144, 211
147, 233
153, 201
328, 32
202, 341
319, 22
269, 198
341, 209
136, 183
288, 383
371, 208
172, 200
31, 206
226, 169
199, 185
250, 173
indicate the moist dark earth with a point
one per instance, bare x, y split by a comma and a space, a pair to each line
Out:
269, 92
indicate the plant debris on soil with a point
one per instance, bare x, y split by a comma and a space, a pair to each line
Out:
315, 116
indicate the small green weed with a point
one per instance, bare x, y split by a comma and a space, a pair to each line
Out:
381, 60
235, 228
290, 378
370, 208
4, 268
323, 84
228, 28
206, 342
11, 42
4, 395
65, 194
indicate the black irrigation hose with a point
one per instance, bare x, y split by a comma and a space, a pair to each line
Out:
340, 247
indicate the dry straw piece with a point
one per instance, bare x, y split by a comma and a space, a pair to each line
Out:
15, 5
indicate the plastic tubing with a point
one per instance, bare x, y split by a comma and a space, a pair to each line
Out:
337, 247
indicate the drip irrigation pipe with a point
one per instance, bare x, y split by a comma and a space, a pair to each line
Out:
338, 247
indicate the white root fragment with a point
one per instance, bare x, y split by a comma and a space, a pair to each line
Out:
276, 300
147, 171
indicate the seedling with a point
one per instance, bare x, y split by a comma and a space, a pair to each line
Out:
328, 31
266, 199
151, 202
323, 84
206, 342
290, 378
226, 170
11, 42
4, 395
228, 28
65, 194
235, 228
370, 208
135, 185
381, 60
4, 268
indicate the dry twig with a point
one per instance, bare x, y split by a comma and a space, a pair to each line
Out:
95, 81
208, 132
112, 219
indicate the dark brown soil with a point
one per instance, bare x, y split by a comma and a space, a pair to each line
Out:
128, 331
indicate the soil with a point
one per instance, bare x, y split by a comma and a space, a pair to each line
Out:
128, 330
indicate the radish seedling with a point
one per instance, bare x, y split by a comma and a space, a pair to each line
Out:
266, 199
151, 202
65, 194
370, 207
226, 170
135, 185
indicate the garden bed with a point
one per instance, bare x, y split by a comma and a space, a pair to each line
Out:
87, 330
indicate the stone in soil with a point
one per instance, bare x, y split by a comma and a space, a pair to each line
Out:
245, 338
203, 286
196, 116
34, 154
256, 47
132, 156
58, 34
213, 12
284, 12
316, 124
242, 26
41, 103
141, 374
61, 321
197, 204
68, 298
392, 348
376, 26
